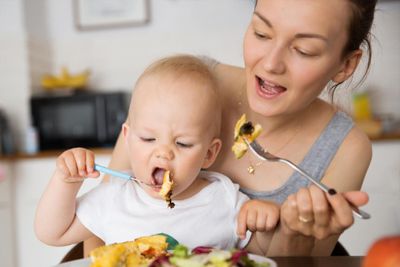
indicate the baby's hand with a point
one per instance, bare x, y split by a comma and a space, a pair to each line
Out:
75, 164
257, 215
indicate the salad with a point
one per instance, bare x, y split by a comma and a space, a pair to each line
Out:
205, 257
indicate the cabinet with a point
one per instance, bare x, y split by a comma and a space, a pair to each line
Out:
7, 249
382, 183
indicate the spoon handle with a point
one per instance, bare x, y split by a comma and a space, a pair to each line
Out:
106, 170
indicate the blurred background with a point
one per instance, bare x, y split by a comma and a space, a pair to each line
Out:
69, 37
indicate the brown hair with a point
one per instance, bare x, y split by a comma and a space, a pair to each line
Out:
359, 33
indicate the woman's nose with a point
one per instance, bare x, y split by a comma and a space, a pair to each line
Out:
164, 152
274, 60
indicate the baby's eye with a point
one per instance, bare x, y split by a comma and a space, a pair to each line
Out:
184, 145
147, 139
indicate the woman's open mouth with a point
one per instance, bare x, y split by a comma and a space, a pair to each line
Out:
269, 89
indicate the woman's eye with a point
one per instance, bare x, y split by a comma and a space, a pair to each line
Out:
184, 145
260, 35
304, 53
147, 139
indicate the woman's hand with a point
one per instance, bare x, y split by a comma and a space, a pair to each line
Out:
75, 164
312, 212
257, 215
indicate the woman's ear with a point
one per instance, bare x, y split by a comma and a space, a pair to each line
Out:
348, 66
212, 153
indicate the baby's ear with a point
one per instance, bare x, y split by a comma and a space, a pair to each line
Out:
125, 130
348, 66
212, 152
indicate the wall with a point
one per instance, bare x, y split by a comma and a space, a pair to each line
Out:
14, 79
118, 56
384, 79
40, 36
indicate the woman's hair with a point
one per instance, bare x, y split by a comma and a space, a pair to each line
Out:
359, 33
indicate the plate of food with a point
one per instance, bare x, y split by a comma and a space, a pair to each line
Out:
156, 251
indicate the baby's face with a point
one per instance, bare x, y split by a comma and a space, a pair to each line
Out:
170, 128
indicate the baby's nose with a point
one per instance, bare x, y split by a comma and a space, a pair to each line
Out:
164, 152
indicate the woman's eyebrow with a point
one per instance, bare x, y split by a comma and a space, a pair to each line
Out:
264, 19
298, 36
311, 35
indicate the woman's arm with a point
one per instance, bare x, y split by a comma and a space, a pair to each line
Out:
328, 216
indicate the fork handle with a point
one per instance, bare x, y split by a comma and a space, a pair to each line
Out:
360, 213
323, 187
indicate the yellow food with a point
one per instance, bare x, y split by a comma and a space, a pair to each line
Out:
239, 147
137, 253
166, 189
65, 80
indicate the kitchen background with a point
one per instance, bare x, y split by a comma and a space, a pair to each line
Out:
38, 37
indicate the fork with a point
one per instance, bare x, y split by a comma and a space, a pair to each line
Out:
262, 154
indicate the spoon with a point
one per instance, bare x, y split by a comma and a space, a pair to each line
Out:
118, 174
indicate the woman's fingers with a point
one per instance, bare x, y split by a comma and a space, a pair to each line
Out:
305, 205
311, 211
357, 198
343, 214
322, 212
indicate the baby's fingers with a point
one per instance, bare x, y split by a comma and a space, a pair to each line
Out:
242, 223
78, 164
91, 172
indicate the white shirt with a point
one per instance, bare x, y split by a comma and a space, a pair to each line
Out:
121, 210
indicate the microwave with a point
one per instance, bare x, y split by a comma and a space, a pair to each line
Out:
86, 119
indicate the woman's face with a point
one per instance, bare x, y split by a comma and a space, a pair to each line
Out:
292, 49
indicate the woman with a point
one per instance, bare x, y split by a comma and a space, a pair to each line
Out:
294, 49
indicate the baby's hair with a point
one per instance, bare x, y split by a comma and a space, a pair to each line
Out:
183, 66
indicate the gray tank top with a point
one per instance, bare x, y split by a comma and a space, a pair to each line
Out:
314, 163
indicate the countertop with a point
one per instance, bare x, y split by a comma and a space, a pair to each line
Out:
108, 151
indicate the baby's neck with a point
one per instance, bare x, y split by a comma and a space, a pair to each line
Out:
193, 189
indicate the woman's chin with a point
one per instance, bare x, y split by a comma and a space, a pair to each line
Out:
261, 107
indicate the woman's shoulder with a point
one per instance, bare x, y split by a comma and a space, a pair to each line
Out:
231, 81
351, 161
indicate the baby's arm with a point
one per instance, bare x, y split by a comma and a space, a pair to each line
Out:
260, 217
56, 223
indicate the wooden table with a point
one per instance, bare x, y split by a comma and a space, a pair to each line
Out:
334, 261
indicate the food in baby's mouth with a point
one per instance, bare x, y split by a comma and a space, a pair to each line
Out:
244, 130
166, 189
140, 252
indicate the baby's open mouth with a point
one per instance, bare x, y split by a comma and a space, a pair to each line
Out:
158, 175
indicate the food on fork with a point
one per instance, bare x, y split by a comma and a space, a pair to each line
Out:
244, 130
166, 189
139, 252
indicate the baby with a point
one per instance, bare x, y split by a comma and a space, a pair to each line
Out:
173, 125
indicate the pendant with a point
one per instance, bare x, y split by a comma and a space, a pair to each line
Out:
251, 169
